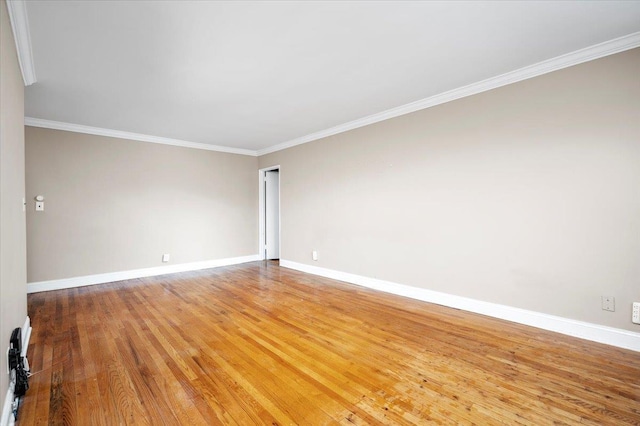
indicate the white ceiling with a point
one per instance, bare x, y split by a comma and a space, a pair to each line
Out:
256, 74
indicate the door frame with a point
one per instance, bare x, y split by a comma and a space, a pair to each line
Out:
261, 211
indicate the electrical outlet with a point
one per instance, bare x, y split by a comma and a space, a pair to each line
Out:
608, 303
166, 257
635, 316
314, 255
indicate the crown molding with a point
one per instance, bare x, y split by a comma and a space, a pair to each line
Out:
20, 26
597, 51
607, 48
79, 128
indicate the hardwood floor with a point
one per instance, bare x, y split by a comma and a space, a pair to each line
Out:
260, 344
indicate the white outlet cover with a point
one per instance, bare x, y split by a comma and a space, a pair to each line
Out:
635, 316
609, 303
166, 257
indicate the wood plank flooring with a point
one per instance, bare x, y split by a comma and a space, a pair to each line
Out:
260, 344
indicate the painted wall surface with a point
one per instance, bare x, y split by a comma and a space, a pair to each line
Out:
13, 286
527, 195
116, 205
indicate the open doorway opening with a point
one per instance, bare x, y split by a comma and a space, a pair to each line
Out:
269, 247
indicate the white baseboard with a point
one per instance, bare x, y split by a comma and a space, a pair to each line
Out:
135, 273
7, 413
584, 330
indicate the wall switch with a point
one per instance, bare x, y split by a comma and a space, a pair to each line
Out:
39, 206
314, 255
635, 315
166, 257
608, 303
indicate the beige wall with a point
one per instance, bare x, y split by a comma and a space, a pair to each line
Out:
528, 195
116, 205
13, 289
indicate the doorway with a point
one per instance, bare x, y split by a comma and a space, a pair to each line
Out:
269, 180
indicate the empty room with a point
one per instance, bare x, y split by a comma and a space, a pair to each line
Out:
319, 212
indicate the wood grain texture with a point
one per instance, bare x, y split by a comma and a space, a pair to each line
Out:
260, 344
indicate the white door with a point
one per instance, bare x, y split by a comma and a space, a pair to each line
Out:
272, 214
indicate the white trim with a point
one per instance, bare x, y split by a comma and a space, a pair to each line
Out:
7, 419
584, 330
574, 58
590, 53
135, 273
20, 26
261, 210
79, 128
